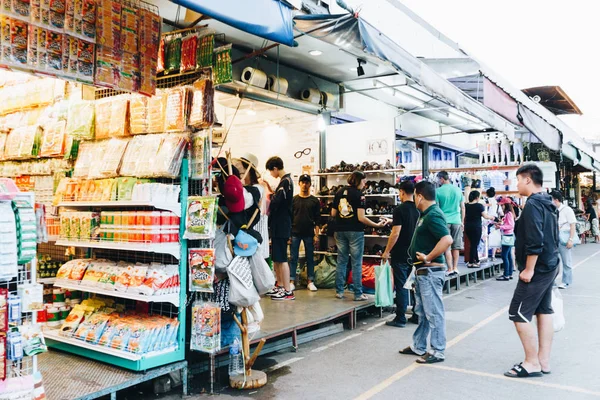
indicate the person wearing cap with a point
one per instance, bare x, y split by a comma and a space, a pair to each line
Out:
280, 222
306, 211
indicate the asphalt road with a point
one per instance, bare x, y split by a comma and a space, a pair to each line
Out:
482, 345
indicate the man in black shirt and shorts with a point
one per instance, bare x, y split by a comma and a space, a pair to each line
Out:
536, 253
406, 216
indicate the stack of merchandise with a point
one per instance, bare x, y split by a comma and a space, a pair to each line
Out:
79, 225
26, 230
47, 268
41, 167
8, 242
57, 306
139, 227
145, 279
104, 323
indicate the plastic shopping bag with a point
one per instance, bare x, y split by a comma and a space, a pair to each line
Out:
410, 281
558, 318
384, 296
494, 239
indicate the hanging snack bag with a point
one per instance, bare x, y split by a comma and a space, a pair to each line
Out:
172, 53
223, 72
3, 310
80, 119
205, 50
188, 53
201, 217
202, 270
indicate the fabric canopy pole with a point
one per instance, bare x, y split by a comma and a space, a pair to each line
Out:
545, 132
269, 19
357, 36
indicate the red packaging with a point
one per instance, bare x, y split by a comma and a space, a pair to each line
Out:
188, 53
174, 220
42, 316
132, 219
138, 235
174, 236
165, 236
165, 218
154, 236
3, 310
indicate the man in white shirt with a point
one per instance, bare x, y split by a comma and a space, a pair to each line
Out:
566, 223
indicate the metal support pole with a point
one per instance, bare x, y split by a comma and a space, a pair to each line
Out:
184, 380
425, 160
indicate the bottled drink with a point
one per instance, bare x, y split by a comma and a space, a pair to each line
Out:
236, 361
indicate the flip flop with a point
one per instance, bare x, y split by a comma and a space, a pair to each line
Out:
543, 372
520, 372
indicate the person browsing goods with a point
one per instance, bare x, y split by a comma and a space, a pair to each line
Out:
567, 237
507, 227
349, 213
451, 201
306, 211
280, 222
403, 228
430, 241
474, 211
536, 253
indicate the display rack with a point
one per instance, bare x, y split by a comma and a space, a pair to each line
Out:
374, 171
175, 208
172, 305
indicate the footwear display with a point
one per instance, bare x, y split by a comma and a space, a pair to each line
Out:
283, 295
311, 286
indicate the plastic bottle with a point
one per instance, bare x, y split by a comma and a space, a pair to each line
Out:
236, 361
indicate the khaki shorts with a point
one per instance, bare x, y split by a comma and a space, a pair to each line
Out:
456, 231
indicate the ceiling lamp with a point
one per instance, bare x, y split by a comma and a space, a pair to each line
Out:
360, 71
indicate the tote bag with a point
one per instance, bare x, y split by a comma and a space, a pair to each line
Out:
384, 296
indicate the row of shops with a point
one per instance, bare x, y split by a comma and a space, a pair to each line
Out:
117, 122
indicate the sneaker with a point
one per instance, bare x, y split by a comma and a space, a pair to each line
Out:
275, 290
292, 287
563, 286
283, 295
311, 286
339, 295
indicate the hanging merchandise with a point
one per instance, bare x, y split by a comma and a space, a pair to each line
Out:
202, 108
53, 139
200, 152
202, 270
177, 109
14, 309
14, 344
80, 119
172, 54
188, 53
26, 230
3, 310
206, 46
201, 217
262, 276
206, 327
149, 43
112, 117
3, 355
8, 242
242, 292
222, 65
33, 340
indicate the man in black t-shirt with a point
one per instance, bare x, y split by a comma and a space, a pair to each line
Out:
280, 222
306, 211
405, 220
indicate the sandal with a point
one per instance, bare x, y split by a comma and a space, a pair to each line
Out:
362, 297
519, 372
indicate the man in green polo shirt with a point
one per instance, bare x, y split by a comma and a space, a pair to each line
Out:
429, 243
452, 203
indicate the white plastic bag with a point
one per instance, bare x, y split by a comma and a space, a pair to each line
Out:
410, 280
494, 239
558, 318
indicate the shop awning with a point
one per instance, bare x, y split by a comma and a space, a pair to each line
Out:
269, 19
586, 161
545, 132
356, 36
570, 152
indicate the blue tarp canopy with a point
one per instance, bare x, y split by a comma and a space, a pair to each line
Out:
269, 19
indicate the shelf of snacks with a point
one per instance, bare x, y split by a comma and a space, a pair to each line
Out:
172, 298
380, 171
335, 254
53, 334
173, 207
162, 248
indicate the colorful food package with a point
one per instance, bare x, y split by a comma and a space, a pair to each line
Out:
137, 278
109, 277
108, 23
129, 72
123, 279
76, 316
92, 328
223, 72
87, 153
160, 65
130, 20
53, 139
3, 310
96, 163
111, 162
176, 110
157, 107
120, 339
80, 119
150, 147
23, 142
200, 154
188, 53
3, 357
202, 110
138, 337
103, 116
206, 327
169, 156
78, 269
18, 42
201, 217
138, 107
202, 270
172, 53
205, 50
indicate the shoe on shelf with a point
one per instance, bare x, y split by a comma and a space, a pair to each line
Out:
275, 290
311, 286
563, 286
292, 287
283, 295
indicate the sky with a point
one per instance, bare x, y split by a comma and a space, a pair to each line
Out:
529, 43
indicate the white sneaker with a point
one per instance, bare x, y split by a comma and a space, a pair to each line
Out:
292, 287
311, 286
563, 286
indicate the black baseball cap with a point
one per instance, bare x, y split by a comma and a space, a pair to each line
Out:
305, 178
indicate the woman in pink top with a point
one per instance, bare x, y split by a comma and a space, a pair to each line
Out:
507, 227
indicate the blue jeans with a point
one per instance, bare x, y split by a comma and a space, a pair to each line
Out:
309, 249
350, 245
401, 272
430, 309
567, 264
507, 260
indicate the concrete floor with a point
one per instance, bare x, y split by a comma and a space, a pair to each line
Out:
482, 344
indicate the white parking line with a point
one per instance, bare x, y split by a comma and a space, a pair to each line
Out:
282, 364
